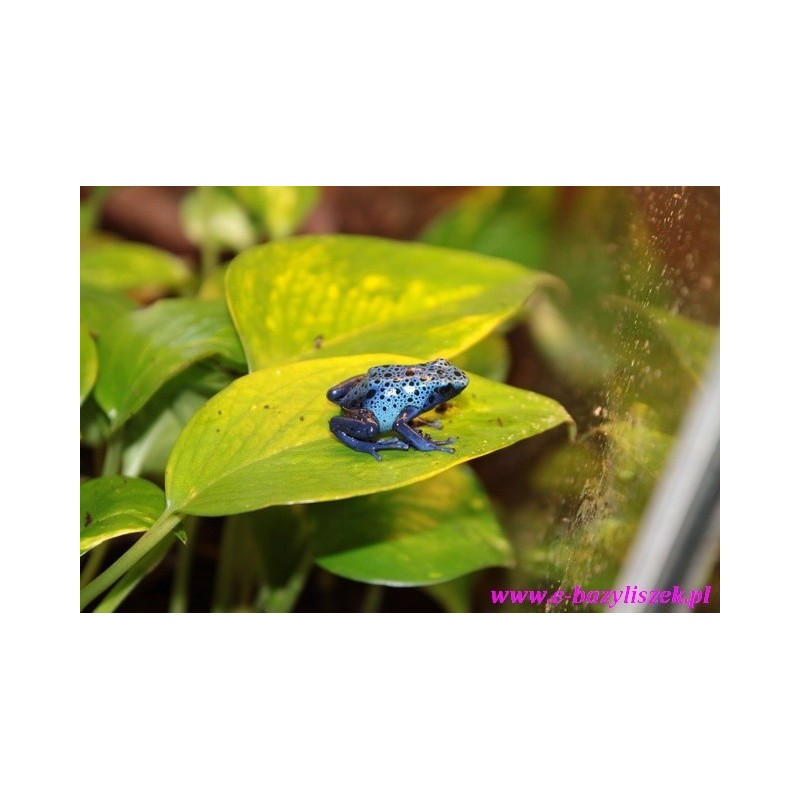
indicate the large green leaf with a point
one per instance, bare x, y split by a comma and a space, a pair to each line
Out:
265, 439
88, 363
426, 533
511, 222
128, 265
115, 505
320, 296
100, 308
147, 347
279, 209
152, 433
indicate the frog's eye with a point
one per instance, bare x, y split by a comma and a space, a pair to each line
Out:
448, 387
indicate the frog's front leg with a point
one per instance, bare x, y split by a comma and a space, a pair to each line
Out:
359, 430
403, 426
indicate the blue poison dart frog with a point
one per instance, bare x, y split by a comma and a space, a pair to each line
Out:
388, 398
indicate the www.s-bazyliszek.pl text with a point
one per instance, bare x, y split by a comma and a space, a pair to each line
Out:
630, 595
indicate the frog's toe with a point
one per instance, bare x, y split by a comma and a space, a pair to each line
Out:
392, 444
440, 443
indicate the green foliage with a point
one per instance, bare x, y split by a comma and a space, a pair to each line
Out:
100, 308
152, 433
308, 313
426, 533
316, 297
612, 334
126, 265
164, 397
115, 505
147, 347
518, 223
275, 422
509, 222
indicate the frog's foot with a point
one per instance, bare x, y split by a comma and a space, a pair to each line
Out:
370, 447
359, 434
417, 440
440, 444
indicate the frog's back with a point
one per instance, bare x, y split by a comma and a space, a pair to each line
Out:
389, 388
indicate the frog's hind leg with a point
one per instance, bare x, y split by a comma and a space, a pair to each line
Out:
369, 447
359, 431
402, 425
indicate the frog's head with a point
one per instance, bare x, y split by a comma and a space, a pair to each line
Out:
448, 380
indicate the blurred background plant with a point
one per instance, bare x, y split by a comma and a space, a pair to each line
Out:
621, 341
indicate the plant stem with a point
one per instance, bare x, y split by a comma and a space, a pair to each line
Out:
134, 576
373, 598
160, 528
229, 548
209, 250
93, 563
112, 461
282, 600
179, 599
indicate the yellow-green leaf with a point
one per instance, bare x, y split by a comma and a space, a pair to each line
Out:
319, 296
265, 439
426, 533
147, 347
116, 505
128, 265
